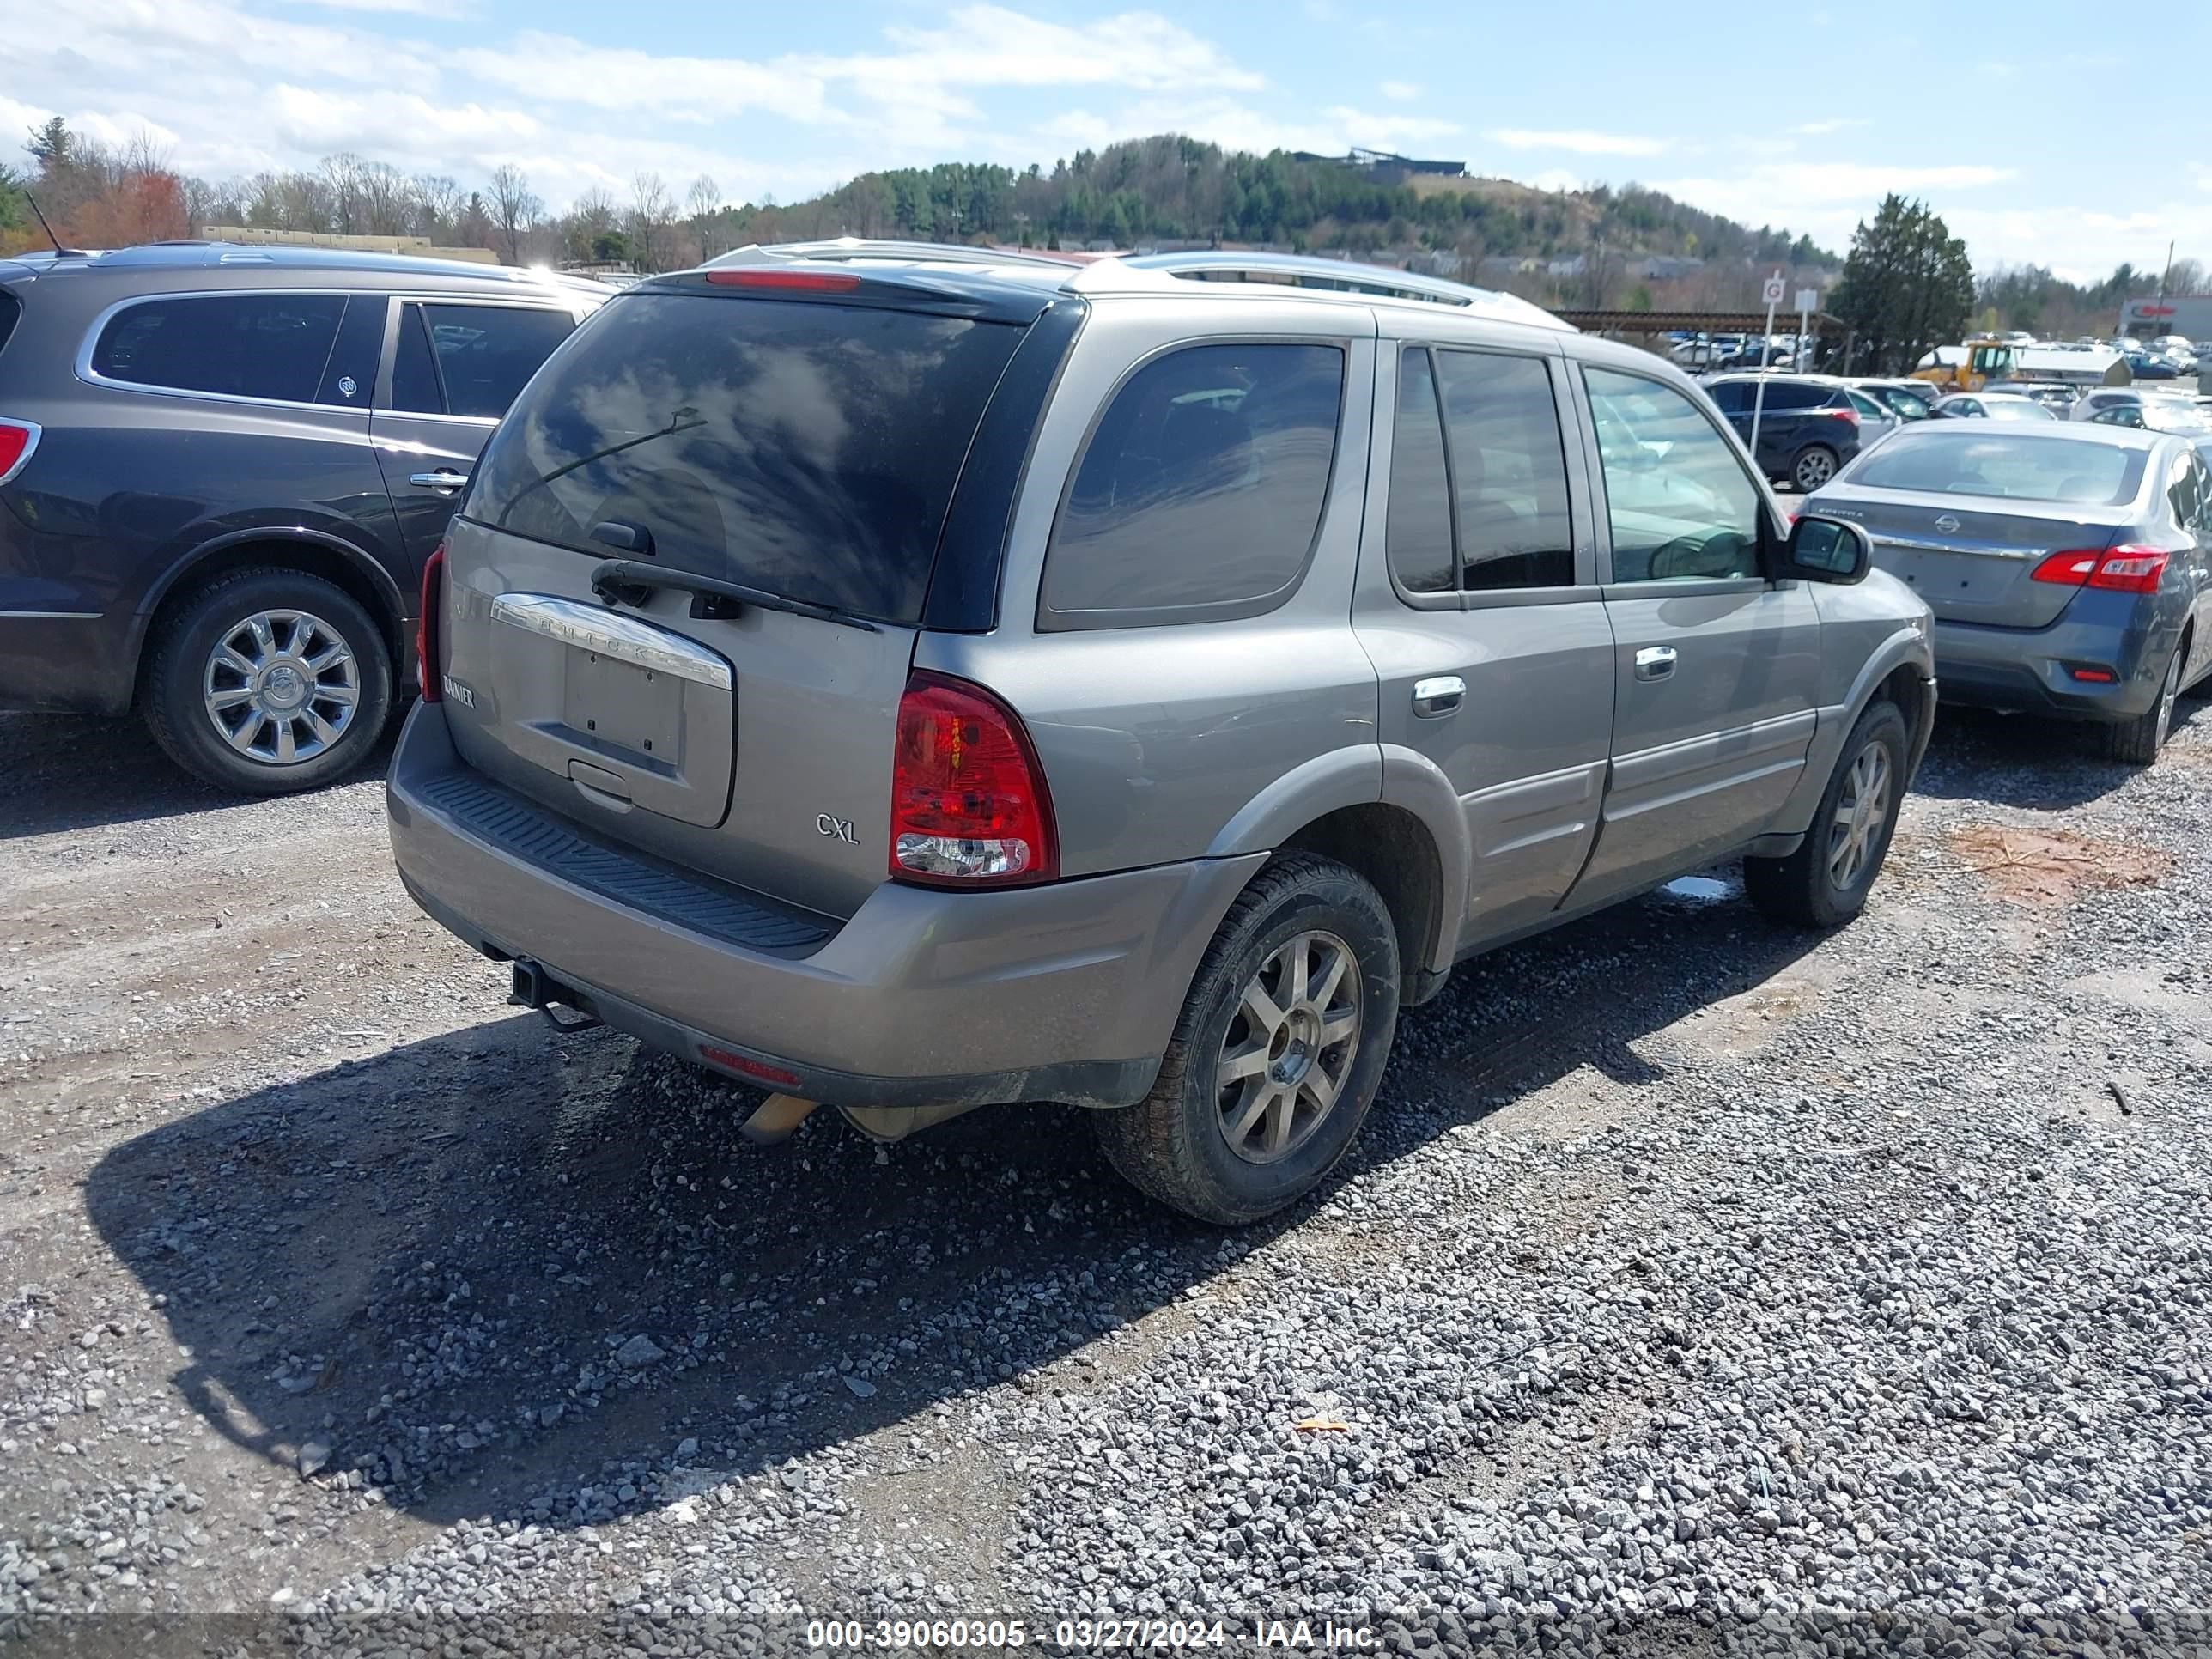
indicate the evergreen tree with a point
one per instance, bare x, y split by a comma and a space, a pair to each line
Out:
1907, 286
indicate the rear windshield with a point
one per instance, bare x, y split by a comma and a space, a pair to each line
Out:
807, 449
1981, 463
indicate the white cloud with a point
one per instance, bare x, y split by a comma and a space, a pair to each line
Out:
1815, 129
1555, 178
398, 125
1400, 92
449, 9
1579, 140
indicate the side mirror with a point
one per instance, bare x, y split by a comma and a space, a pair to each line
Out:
1826, 550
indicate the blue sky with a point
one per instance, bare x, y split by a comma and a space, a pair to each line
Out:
2034, 128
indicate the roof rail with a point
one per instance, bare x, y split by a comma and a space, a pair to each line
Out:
1307, 271
864, 248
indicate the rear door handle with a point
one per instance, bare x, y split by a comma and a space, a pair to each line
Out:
1655, 662
1438, 695
444, 478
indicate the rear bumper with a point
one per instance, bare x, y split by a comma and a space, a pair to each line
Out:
64, 665
2030, 671
1065, 992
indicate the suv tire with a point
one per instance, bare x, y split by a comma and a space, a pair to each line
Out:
263, 664
1814, 467
1251, 1053
1823, 883
2137, 742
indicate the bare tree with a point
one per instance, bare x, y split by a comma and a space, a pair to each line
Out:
705, 201
342, 178
651, 209
512, 209
437, 202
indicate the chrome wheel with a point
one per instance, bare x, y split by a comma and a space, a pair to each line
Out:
1861, 818
1289, 1048
1814, 468
281, 687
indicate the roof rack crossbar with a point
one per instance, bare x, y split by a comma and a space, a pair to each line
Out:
866, 247
1305, 271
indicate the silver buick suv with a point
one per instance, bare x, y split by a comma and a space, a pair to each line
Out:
915, 679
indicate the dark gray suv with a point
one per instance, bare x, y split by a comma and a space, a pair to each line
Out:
221, 468
912, 679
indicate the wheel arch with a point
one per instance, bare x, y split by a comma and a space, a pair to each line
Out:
1898, 666
311, 552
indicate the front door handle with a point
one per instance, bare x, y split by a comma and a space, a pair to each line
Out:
444, 478
1438, 695
1655, 662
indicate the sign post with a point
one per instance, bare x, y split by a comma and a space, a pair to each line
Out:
1806, 299
1771, 293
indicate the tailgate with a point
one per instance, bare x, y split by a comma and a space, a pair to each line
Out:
1978, 566
724, 746
793, 462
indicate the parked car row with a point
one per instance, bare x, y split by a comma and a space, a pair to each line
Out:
915, 679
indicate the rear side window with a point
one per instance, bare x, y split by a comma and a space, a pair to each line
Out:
472, 359
1786, 394
805, 448
1418, 537
1509, 471
10, 309
1199, 493
1731, 397
233, 345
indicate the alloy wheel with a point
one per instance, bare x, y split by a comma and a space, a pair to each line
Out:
1289, 1048
1813, 470
281, 687
1862, 817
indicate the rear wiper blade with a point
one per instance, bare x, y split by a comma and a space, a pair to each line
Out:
632, 581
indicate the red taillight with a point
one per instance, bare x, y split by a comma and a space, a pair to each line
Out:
429, 628
809, 282
968, 806
2131, 570
2095, 676
2123, 569
17, 440
1848, 417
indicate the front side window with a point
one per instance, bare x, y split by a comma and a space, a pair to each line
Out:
1679, 503
1201, 488
1509, 471
231, 345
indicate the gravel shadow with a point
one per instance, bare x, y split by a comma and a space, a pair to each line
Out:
2019, 760
78, 772
502, 1272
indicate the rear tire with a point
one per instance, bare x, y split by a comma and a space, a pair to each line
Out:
1815, 464
2137, 742
269, 682
1823, 883
1235, 1128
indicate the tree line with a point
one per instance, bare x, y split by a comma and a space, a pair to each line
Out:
1145, 191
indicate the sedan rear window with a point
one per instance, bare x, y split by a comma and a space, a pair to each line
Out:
1982, 463
804, 449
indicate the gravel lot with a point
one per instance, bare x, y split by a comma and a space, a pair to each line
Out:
1697, 1286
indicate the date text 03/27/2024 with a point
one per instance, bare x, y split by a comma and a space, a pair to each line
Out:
1092, 1635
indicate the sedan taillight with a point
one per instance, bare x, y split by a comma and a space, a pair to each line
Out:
2123, 569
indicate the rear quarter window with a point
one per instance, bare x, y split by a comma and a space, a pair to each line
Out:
10, 309
1199, 493
249, 345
